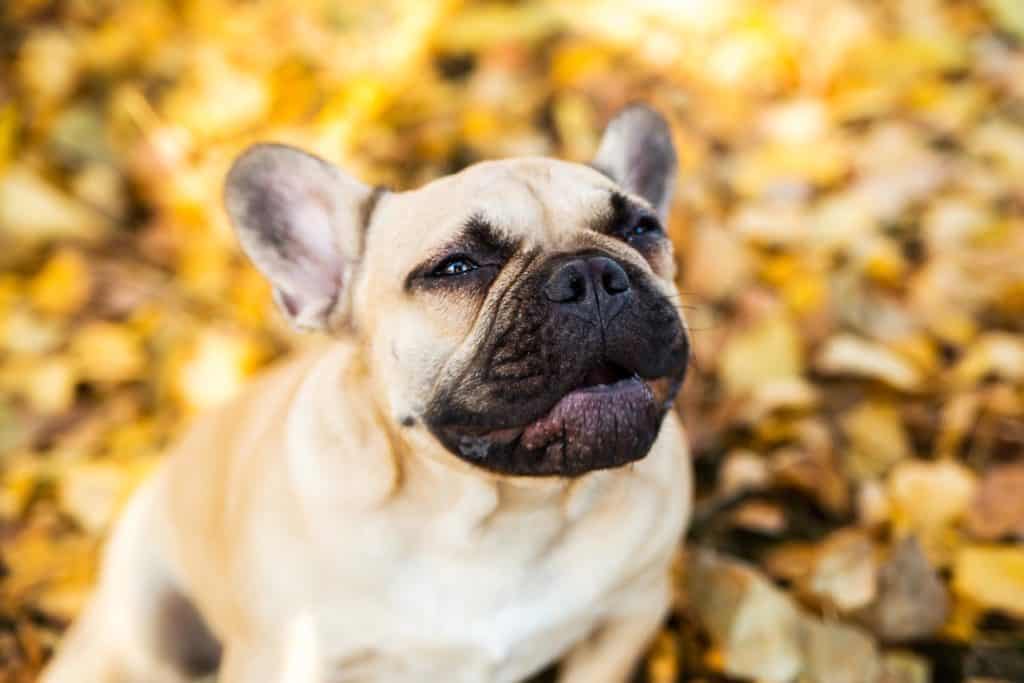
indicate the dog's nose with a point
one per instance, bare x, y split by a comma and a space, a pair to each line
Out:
590, 287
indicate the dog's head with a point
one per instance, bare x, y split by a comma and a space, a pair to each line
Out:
523, 313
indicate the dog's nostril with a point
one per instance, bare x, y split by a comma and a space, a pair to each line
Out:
610, 274
578, 286
615, 282
567, 285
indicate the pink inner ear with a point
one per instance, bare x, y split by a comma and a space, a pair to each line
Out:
313, 267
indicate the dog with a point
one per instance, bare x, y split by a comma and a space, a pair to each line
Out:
477, 475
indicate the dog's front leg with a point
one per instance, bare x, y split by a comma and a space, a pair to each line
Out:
612, 652
292, 656
246, 662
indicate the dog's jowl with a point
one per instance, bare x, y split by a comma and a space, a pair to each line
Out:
476, 475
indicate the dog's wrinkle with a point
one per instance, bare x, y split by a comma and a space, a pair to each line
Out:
529, 258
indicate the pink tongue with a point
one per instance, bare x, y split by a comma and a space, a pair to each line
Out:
588, 412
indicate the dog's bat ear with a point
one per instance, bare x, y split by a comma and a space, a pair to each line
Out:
636, 151
299, 219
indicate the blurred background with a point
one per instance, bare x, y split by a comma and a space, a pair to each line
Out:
849, 227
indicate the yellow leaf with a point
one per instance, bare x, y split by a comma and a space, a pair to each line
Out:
50, 386
8, 131
106, 352
991, 576
32, 210
877, 438
884, 263
768, 351
574, 63
480, 124
1009, 14
63, 285
995, 354
927, 496
92, 493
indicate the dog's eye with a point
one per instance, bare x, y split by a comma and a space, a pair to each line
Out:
645, 225
454, 265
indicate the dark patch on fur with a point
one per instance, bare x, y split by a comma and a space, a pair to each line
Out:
535, 353
185, 639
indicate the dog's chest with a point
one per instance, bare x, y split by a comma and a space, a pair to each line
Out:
488, 598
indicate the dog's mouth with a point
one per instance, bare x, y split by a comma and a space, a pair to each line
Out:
610, 418
603, 376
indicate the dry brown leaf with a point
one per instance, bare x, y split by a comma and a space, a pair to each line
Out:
913, 602
998, 506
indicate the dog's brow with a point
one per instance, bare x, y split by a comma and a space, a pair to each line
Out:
480, 233
619, 211
477, 237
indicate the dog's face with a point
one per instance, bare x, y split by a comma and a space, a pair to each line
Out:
523, 313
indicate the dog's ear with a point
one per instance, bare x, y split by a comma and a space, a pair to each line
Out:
300, 219
637, 152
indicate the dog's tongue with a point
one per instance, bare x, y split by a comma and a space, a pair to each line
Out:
614, 411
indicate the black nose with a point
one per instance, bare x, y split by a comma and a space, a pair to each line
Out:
592, 287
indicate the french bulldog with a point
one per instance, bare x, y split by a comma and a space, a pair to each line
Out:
478, 474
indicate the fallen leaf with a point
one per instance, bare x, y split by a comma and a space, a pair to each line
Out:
992, 576
1009, 15
768, 351
913, 602
106, 352
756, 625
815, 473
760, 517
904, 667
50, 386
839, 653
63, 284
998, 506
849, 355
33, 211
878, 439
743, 470
926, 496
846, 571
92, 493
997, 355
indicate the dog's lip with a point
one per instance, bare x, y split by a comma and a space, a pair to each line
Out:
631, 390
657, 389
